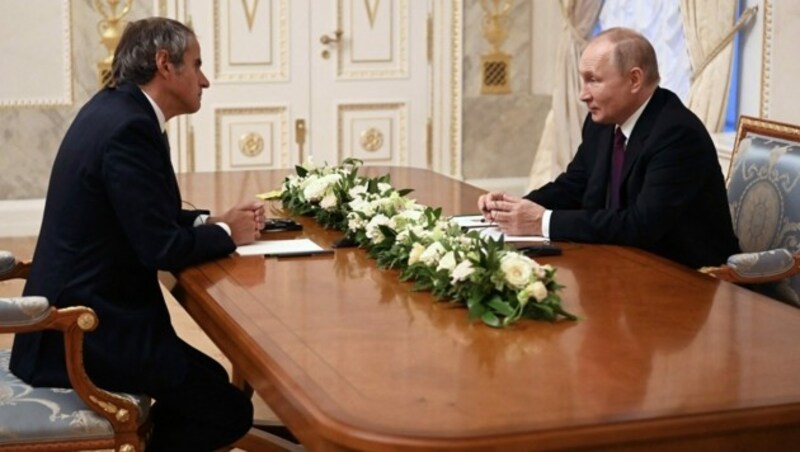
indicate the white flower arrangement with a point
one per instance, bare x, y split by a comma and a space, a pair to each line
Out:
497, 284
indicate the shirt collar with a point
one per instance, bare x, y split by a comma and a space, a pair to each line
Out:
627, 127
162, 123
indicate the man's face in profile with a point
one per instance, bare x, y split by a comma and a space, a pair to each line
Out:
189, 81
606, 92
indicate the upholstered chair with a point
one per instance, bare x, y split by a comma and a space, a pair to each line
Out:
86, 417
764, 198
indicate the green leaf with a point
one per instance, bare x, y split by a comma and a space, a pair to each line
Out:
490, 319
501, 306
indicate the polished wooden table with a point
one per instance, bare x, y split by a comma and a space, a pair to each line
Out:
348, 357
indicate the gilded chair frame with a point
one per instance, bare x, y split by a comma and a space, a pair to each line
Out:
769, 129
123, 414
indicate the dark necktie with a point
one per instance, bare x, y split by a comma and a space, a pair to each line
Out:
617, 160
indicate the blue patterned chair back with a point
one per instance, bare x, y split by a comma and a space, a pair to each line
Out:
764, 193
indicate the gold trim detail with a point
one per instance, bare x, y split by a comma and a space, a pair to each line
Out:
127, 448
372, 11
110, 28
87, 321
281, 112
766, 59
121, 414
250, 15
162, 8
251, 144
68, 97
270, 71
455, 86
400, 59
371, 139
402, 127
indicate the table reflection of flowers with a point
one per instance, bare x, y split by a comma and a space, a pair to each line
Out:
497, 284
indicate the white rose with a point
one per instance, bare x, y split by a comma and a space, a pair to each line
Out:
539, 290
432, 253
315, 190
373, 231
355, 223
516, 269
416, 251
383, 187
448, 262
462, 271
357, 190
328, 202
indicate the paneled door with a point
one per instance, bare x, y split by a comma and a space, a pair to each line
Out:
290, 79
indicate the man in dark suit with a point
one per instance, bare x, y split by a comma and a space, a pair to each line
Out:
668, 194
112, 219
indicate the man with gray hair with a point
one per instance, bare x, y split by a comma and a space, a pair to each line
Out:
112, 219
645, 175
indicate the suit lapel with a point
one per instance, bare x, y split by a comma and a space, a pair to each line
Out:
646, 122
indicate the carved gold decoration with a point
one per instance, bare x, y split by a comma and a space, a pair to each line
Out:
110, 29
226, 70
372, 11
251, 144
87, 321
396, 66
108, 407
371, 139
127, 448
250, 14
495, 73
400, 130
122, 415
280, 120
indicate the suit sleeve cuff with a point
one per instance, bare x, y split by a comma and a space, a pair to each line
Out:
225, 227
546, 223
201, 219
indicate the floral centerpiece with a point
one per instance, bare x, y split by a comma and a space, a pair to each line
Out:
497, 284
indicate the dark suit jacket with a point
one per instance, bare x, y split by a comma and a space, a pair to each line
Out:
673, 199
112, 219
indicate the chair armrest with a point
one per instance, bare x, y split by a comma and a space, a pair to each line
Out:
26, 314
11, 268
757, 268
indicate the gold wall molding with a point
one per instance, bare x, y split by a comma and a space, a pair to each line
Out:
396, 66
66, 97
373, 139
372, 11
273, 69
250, 14
252, 143
766, 59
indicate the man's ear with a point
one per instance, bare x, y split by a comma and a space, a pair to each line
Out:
163, 66
636, 77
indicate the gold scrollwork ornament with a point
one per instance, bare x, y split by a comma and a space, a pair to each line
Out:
110, 29
251, 144
371, 139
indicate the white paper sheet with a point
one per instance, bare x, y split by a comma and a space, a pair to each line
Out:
281, 247
495, 233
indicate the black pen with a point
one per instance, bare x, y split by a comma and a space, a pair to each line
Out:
300, 254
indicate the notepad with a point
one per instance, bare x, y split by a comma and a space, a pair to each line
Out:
296, 247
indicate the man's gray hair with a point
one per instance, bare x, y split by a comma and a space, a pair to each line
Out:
135, 57
632, 49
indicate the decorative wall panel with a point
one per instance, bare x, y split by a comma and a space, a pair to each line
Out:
252, 138
375, 39
374, 133
44, 28
240, 23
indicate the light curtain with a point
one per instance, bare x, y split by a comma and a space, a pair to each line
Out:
708, 26
562, 130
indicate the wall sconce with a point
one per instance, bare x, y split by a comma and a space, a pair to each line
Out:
110, 29
495, 73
